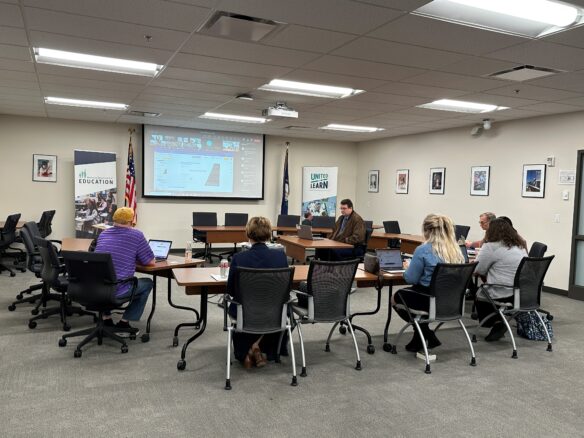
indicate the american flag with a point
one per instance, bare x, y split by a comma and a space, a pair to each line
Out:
130, 199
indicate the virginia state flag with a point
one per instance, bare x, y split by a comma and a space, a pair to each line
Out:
285, 186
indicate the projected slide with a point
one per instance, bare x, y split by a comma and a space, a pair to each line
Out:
181, 162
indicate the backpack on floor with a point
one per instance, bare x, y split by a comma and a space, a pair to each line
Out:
529, 326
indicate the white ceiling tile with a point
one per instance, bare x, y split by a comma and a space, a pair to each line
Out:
438, 34
367, 106
13, 64
199, 86
18, 76
248, 52
103, 30
400, 88
577, 101
13, 35
155, 13
339, 15
527, 91
400, 5
56, 70
307, 38
10, 15
508, 101
393, 99
82, 114
212, 77
573, 37
153, 91
551, 108
85, 93
450, 80
563, 81
202, 3
395, 53
543, 54
29, 94
336, 80
27, 85
89, 83
476, 66
15, 52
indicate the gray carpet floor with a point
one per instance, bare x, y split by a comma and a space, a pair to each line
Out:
45, 392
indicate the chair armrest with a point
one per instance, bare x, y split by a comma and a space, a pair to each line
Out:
299, 292
353, 290
134, 281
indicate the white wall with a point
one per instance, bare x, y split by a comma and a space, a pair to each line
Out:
505, 148
21, 137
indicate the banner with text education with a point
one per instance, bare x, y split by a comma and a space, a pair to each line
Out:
95, 191
319, 190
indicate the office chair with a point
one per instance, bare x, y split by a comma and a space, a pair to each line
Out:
264, 308
368, 224
207, 219
446, 295
526, 293
323, 222
461, 231
393, 228
234, 220
44, 224
93, 284
287, 220
34, 264
7, 238
54, 277
326, 299
539, 249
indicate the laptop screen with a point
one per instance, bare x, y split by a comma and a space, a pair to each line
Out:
464, 252
160, 248
389, 259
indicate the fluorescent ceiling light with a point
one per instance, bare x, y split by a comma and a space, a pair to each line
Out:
234, 118
461, 106
306, 89
350, 128
92, 62
531, 18
86, 103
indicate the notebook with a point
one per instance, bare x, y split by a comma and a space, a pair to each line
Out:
160, 248
390, 260
305, 232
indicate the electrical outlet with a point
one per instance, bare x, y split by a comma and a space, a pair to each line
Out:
556, 218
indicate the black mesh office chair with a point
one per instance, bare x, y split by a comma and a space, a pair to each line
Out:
44, 224
461, 231
446, 295
368, 225
323, 222
234, 220
54, 278
34, 264
7, 238
264, 308
526, 292
539, 249
207, 219
287, 220
326, 296
93, 284
393, 228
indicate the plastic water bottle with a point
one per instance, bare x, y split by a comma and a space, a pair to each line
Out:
223, 267
188, 251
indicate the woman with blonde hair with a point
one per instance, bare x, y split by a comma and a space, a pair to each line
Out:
440, 247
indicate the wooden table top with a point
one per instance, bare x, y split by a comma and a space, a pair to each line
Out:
20, 224
307, 243
75, 244
408, 237
219, 228
171, 262
295, 230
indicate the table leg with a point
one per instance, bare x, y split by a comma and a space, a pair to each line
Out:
195, 324
146, 336
386, 345
203, 321
370, 346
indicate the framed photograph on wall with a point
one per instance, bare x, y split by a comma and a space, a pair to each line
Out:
402, 181
437, 180
479, 180
373, 181
533, 181
44, 168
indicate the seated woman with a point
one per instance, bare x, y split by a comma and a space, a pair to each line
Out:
248, 347
498, 261
440, 247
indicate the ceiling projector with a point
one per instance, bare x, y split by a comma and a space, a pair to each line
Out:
280, 110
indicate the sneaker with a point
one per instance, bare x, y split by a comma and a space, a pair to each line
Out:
128, 329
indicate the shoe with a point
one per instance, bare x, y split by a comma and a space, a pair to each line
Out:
247, 362
433, 341
128, 329
496, 333
258, 357
108, 322
415, 344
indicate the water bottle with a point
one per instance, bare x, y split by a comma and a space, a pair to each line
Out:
188, 251
223, 266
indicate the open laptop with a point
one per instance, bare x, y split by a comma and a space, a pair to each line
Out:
464, 252
390, 260
305, 232
160, 248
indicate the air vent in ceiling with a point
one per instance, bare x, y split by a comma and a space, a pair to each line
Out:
239, 27
524, 73
143, 114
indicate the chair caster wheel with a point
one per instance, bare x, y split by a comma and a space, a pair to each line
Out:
32, 324
343, 330
474, 316
175, 341
62, 342
181, 365
12, 308
474, 338
327, 348
124, 349
22, 270
66, 327
12, 274
99, 341
144, 338
394, 350
77, 353
19, 297
34, 312
550, 317
387, 347
371, 349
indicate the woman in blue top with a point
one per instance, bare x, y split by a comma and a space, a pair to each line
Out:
440, 247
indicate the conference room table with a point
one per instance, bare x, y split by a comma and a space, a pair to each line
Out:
409, 242
296, 247
294, 230
161, 268
223, 233
201, 282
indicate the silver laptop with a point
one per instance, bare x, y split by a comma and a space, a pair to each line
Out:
390, 260
160, 248
305, 232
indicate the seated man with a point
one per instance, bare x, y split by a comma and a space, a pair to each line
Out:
128, 247
308, 217
484, 220
350, 228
